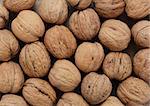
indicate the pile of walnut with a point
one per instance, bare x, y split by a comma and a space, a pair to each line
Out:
74, 53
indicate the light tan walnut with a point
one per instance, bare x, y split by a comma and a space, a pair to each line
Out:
84, 24
64, 75
28, 26
89, 56
35, 60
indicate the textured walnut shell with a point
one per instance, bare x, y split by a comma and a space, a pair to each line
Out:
137, 9
141, 33
109, 8
38, 92
84, 24
95, 88
115, 35
141, 63
134, 90
89, 56
35, 60
11, 77
117, 65
52, 11
9, 45
64, 75
28, 26
71, 99
60, 42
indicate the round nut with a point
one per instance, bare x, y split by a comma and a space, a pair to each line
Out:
9, 45
95, 88
35, 60
60, 42
134, 90
28, 26
109, 8
89, 56
11, 77
38, 92
84, 24
71, 99
115, 35
117, 65
64, 75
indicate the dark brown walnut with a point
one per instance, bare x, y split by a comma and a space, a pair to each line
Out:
60, 42
115, 35
9, 45
11, 77
109, 8
35, 60
84, 24
38, 92
95, 88
141, 33
117, 65
89, 56
134, 90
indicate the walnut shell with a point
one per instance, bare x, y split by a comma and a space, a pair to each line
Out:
38, 92
134, 90
84, 24
9, 46
117, 65
71, 99
11, 77
141, 33
35, 60
64, 75
89, 56
109, 8
95, 88
28, 26
60, 42
115, 35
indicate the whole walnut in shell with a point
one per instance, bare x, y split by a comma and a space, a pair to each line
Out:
109, 8
28, 26
84, 24
71, 99
117, 65
11, 77
95, 88
134, 90
89, 56
38, 92
9, 45
141, 33
115, 35
64, 75
35, 60
60, 42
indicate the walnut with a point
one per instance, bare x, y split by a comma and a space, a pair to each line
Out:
38, 92
134, 90
109, 8
28, 26
84, 24
71, 99
115, 35
9, 45
11, 77
95, 88
141, 33
64, 75
117, 65
89, 56
60, 42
